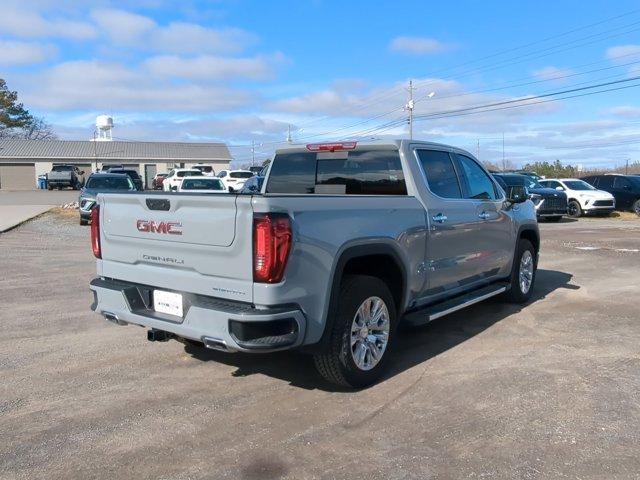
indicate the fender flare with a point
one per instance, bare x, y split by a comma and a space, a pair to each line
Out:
350, 251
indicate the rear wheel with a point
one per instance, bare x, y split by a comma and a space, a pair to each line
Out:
636, 207
361, 334
523, 273
574, 209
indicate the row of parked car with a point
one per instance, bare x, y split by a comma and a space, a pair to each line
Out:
184, 179
575, 197
197, 179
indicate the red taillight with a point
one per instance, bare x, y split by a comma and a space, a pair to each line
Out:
95, 231
271, 244
331, 147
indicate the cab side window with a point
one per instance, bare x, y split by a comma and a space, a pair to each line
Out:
479, 185
441, 175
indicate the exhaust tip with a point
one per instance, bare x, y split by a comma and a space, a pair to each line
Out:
215, 344
113, 318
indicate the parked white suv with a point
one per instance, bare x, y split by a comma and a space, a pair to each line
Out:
582, 198
207, 170
234, 179
174, 179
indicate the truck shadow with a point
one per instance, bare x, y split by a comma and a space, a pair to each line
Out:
414, 346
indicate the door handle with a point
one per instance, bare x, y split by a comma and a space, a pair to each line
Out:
484, 215
440, 218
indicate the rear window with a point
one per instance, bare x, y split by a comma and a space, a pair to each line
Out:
62, 168
110, 183
202, 184
190, 173
364, 172
204, 168
131, 173
514, 180
241, 174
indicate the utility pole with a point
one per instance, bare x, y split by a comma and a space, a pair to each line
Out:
409, 108
289, 134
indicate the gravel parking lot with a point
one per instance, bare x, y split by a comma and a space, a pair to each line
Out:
550, 390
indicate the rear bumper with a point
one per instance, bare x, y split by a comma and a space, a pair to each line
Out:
219, 324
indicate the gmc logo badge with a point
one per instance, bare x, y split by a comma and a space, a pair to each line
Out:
171, 228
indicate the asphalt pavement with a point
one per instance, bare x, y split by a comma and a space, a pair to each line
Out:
547, 390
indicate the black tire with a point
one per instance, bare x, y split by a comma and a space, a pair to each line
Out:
516, 294
574, 210
554, 219
84, 222
49, 187
337, 364
636, 207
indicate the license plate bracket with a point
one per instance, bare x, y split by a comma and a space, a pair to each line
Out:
169, 303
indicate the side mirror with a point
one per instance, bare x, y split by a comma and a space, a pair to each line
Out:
174, 189
559, 188
517, 194
81, 172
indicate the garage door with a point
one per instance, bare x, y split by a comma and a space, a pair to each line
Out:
18, 176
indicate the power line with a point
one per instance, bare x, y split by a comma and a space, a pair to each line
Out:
525, 99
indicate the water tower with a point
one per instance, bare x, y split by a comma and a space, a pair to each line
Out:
104, 126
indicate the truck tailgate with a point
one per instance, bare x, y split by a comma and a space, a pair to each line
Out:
192, 243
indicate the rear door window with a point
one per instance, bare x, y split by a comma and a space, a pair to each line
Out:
442, 178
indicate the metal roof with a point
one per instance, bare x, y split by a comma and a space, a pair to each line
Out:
115, 150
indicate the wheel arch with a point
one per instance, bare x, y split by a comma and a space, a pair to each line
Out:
531, 234
380, 258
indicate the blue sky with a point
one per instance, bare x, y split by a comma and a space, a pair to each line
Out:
243, 71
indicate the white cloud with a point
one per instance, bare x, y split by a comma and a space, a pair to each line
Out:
626, 51
627, 111
23, 53
24, 22
111, 86
552, 73
123, 28
180, 37
212, 68
136, 31
418, 45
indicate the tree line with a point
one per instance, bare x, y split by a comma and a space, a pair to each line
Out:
17, 122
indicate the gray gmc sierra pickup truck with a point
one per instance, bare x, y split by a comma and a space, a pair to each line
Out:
345, 241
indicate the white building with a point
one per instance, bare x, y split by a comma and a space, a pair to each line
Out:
21, 161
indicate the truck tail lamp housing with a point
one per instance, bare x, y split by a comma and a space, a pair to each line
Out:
331, 147
271, 245
95, 231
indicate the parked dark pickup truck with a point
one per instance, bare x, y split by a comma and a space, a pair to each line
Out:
65, 176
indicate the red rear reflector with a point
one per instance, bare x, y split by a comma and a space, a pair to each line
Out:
271, 244
331, 147
95, 232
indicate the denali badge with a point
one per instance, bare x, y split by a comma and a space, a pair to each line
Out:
172, 228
